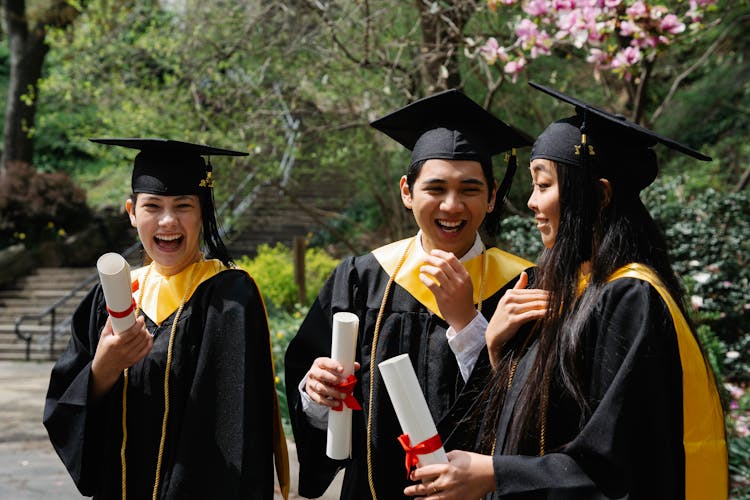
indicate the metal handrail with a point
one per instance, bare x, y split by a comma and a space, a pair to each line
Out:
52, 310
285, 166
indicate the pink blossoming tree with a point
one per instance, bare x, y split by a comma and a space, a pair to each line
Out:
622, 37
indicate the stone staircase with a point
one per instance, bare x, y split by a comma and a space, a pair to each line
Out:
278, 215
31, 295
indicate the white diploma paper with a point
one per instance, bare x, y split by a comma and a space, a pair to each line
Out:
114, 274
410, 405
343, 347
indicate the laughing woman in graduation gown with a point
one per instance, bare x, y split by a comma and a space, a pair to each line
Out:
609, 395
182, 404
394, 291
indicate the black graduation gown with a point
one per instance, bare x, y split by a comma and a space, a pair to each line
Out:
632, 444
219, 439
357, 285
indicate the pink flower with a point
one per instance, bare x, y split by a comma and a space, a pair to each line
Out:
734, 390
564, 4
597, 57
491, 51
629, 28
671, 24
526, 30
638, 9
646, 42
542, 45
515, 67
611, 4
599, 33
572, 27
536, 8
626, 57
696, 301
566, 22
658, 11
694, 14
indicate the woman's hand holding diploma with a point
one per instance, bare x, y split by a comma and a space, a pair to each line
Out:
115, 352
466, 476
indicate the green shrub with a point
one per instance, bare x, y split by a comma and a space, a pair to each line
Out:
37, 207
273, 270
709, 240
738, 440
519, 235
283, 326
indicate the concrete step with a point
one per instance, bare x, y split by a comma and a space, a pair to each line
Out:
32, 295
38, 350
27, 327
32, 308
38, 295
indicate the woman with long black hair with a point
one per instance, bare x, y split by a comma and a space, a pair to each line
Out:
607, 394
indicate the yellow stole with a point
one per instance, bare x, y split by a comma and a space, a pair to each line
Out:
706, 461
499, 268
163, 296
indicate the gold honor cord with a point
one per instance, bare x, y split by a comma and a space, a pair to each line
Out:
166, 388
544, 401
373, 352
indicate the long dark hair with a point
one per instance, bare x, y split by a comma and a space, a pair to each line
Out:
212, 242
607, 232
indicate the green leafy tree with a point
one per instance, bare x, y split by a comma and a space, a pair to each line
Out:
27, 31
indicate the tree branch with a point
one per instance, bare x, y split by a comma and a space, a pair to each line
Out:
744, 181
696, 65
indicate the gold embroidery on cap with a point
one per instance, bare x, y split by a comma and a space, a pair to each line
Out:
578, 150
208, 181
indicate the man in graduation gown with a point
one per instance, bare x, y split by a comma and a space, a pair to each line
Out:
427, 296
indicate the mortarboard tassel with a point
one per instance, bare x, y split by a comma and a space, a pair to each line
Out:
512, 164
208, 181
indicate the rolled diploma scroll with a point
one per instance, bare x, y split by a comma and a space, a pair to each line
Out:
343, 347
410, 405
114, 274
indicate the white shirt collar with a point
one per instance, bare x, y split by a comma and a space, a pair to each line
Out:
475, 250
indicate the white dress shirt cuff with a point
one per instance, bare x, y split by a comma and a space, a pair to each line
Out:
467, 344
316, 413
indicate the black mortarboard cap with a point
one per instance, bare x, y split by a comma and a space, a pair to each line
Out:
449, 125
167, 167
616, 146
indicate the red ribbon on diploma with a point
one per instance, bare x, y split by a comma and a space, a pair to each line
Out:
124, 313
347, 386
429, 445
